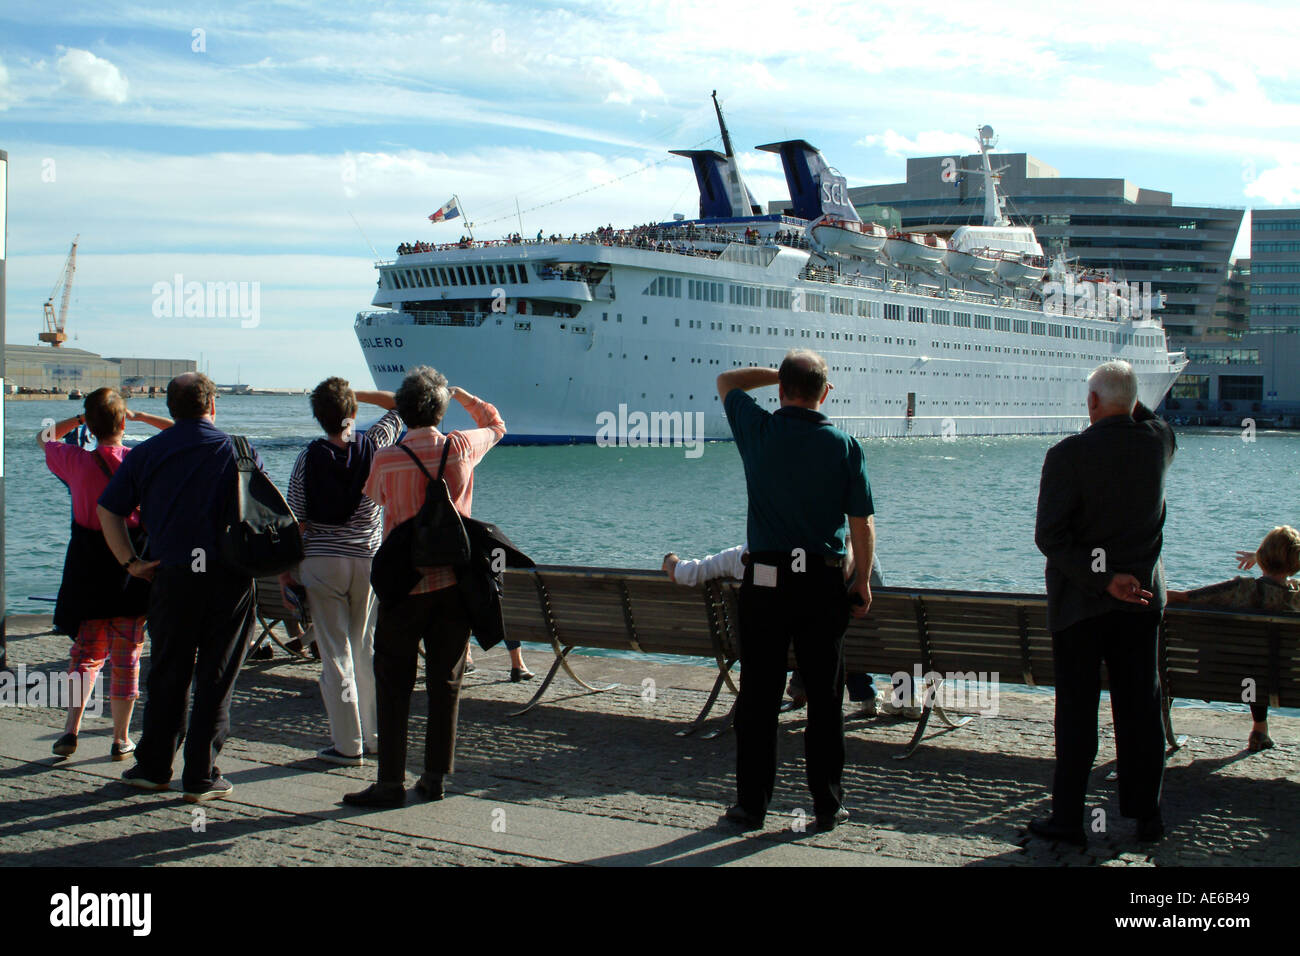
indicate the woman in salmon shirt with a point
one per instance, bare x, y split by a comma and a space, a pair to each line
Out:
99, 605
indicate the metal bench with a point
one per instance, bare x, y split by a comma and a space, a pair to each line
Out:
1203, 654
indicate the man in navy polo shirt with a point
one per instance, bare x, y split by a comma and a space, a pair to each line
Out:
804, 476
200, 609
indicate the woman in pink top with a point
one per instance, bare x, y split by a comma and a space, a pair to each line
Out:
99, 605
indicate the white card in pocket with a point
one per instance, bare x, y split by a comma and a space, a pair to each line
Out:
764, 575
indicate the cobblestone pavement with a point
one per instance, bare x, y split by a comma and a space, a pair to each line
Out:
602, 778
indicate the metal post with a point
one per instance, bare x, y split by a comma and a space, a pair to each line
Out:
4, 228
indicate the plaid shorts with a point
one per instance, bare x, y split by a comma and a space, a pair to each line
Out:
122, 639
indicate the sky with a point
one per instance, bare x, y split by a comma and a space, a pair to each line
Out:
281, 146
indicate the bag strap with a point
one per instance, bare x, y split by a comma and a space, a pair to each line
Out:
244, 460
446, 447
103, 465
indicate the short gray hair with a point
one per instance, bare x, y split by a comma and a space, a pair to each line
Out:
422, 397
1115, 384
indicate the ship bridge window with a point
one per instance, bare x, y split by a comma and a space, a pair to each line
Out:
983, 322
894, 312
1001, 323
478, 270
915, 313
941, 317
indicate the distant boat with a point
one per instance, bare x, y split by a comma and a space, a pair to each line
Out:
75, 395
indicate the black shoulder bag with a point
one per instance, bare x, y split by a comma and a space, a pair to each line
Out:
259, 532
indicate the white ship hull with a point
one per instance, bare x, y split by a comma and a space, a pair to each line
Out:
900, 362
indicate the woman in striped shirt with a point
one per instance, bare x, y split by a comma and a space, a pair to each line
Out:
341, 533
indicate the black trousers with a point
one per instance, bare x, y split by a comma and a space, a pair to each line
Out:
1127, 642
439, 620
809, 608
198, 633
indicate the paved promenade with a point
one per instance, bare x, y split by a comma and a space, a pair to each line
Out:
601, 779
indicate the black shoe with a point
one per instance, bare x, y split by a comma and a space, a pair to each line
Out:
134, 777
429, 786
66, 745
1151, 829
1049, 829
518, 673
743, 818
218, 789
377, 795
829, 821
263, 653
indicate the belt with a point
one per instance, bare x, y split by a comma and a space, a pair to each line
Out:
780, 557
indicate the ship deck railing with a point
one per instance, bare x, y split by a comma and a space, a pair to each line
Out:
952, 638
461, 319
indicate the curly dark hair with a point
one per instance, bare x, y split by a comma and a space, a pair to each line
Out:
189, 395
332, 402
105, 412
422, 397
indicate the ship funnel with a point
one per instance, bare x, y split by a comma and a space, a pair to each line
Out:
723, 194
815, 187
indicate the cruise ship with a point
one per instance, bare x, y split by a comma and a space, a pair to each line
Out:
975, 333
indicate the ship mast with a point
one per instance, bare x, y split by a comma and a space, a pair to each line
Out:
994, 205
726, 137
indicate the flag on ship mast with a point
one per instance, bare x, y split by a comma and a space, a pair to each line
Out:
450, 210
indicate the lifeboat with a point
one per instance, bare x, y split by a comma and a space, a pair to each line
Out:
916, 249
844, 237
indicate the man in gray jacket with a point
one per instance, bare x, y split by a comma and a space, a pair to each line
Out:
1101, 514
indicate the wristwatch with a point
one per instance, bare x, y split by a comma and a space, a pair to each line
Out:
126, 565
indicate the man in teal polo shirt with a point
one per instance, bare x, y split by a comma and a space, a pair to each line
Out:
803, 476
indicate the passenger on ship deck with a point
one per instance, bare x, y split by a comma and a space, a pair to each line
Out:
1101, 516
1278, 557
803, 476
434, 612
341, 534
99, 605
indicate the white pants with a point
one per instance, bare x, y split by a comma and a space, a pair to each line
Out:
343, 610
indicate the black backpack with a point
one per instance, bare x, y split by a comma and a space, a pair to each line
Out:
434, 537
259, 534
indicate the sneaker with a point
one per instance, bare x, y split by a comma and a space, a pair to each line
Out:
874, 706
134, 777
66, 745
216, 790
331, 755
829, 821
121, 751
1049, 829
384, 795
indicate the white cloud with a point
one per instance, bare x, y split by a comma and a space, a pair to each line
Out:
624, 82
87, 75
929, 143
1279, 186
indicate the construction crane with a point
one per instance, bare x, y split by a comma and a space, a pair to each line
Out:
55, 325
